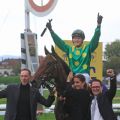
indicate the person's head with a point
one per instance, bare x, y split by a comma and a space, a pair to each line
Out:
77, 37
25, 75
96, 87
79, 81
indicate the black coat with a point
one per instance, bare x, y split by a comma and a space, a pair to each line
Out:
11, 93
77, 104
105, 101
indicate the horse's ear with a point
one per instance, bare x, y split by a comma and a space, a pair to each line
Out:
52, 49
46, 51
53, 52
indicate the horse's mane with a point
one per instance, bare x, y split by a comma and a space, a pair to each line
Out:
64, 64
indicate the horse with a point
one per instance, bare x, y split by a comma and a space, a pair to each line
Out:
53, 72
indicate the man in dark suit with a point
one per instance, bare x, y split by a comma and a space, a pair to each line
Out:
101, 103
22, 99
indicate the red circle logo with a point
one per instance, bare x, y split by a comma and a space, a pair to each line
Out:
41, 10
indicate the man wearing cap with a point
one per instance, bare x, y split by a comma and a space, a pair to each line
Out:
79, 55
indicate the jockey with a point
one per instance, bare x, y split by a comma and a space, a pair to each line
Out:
79, 55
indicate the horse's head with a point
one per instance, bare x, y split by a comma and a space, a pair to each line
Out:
52, 72
43, 73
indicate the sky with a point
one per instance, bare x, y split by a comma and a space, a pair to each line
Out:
67, 16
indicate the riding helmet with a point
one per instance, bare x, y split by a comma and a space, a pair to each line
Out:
78, 33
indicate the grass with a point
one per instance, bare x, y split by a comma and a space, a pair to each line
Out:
2, 100
45, 116
9, 80
117, 97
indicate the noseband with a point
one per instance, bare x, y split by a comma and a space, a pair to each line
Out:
49, 76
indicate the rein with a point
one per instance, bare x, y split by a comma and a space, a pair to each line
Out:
47, 79
44, 76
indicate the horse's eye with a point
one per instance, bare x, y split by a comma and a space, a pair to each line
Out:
49, 63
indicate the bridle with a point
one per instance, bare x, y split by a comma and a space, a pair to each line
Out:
47, 79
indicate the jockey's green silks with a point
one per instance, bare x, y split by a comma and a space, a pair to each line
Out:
79, 58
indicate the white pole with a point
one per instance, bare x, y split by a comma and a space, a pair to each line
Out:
27, 30
27, 18
27, 21
41, 2
32, 61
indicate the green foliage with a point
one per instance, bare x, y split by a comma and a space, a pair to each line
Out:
16, 68
112, 50
113, 63
112, 56
9, 80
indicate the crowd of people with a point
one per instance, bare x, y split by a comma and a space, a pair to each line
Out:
89, 102
81, 101
84, 99
79, 97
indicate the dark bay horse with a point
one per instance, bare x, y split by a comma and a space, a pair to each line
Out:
53, 72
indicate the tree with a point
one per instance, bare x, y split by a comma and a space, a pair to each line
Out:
112, 56
112, 49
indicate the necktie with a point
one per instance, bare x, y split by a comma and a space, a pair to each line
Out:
93, 107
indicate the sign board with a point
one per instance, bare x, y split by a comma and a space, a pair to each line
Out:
29, 53
96, 66
40, 9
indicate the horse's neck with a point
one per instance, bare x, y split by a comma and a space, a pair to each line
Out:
61, 79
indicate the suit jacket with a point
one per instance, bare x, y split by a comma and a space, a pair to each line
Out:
105, 101
11, 93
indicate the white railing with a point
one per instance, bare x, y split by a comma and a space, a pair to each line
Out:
46, 110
